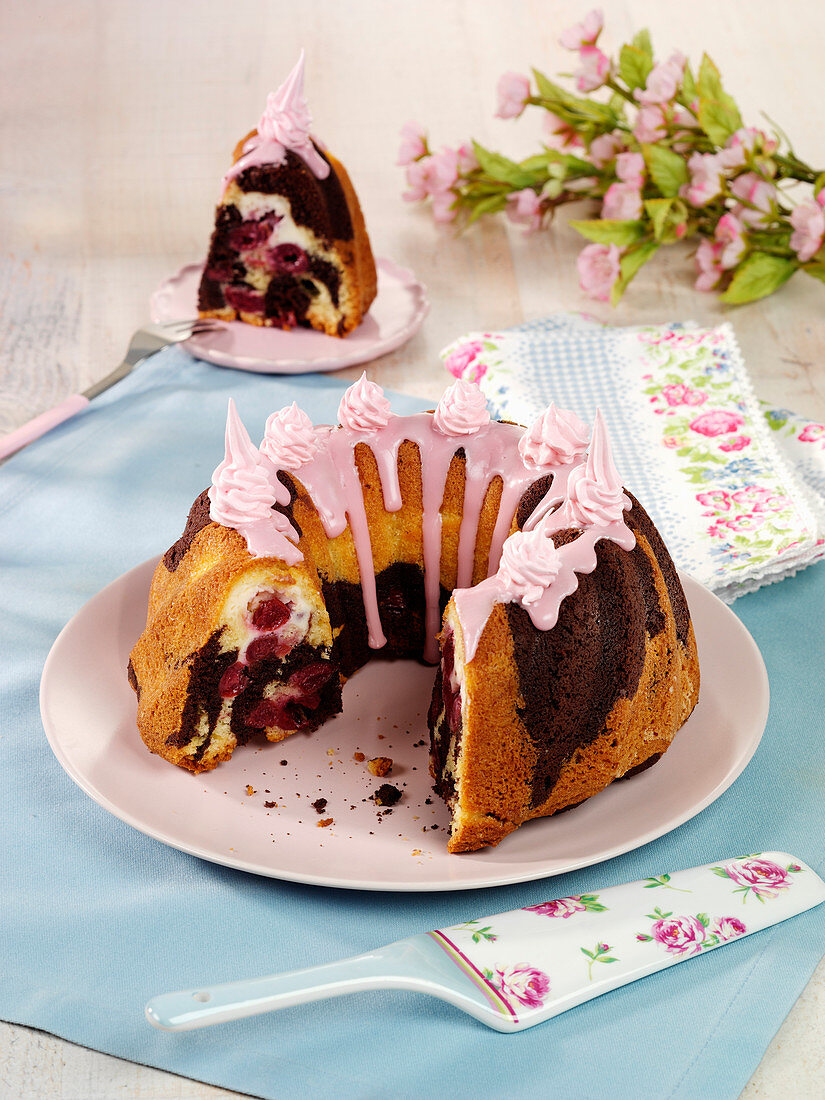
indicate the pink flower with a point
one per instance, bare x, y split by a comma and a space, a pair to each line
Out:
594, 69
716, 498
738, 443
812, 433
459, 360
663, 81
708, 264
742, 523
650, 125
730, 233
683, 395
599, 268
561, 135
671, 441
808, 221
605, 147
754, 498
717, 422
443, 209
705, 179
523, 983
622, 201
513, 91
680, 935
584, 33
466, 157
432, 175
524, 208
764, 877
564, 907
758, 196
413, 144
744, 144
630, 168
418, 173
728, 928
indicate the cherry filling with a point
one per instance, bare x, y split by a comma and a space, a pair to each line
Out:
451, 696
273, 712
253, 232
288, 259
233, 681
267, 646
270, 613
311, 678
244, 299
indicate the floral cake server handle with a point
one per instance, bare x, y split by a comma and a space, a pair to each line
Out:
517, 969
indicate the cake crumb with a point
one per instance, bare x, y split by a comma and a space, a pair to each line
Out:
360, 757
319, 805
330, 752
270, 805
284, 763
386, 795
416, 851
380, 766
250, 790
324, 822
380, 736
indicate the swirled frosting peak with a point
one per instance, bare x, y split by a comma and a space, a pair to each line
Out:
462, 410
556, 438
529, 564
240, 492
364, 408
284, 125
289, 439
594, 489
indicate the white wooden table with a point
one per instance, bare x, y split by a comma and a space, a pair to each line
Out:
118, 120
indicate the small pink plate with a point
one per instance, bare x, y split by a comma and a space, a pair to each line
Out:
88, 712
395, 316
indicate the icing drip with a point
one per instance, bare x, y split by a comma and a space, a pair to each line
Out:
591, 499
462, 410
556, 438
242, 495
289, 439
364, 408
285, 124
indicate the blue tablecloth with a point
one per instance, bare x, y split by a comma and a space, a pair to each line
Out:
96, 917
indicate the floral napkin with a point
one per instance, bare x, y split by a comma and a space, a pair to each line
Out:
736, 487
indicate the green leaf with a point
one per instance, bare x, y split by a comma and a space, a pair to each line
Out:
641, 41
589, 954
609, 231
658, 210
720, 871
629, 265
719, 119
667, 169
608, 959
502, 168
817, 270
709, 82
634, 66
490, 205
574, 108
819, 183
703, 919
758, 276
688, 85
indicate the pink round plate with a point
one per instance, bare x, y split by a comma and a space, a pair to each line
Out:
397, 313
88, 711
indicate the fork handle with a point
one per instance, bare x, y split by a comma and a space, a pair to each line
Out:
41, 424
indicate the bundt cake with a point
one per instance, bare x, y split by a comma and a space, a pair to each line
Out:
289, 247
568, 657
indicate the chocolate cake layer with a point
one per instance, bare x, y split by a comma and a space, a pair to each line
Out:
196, 521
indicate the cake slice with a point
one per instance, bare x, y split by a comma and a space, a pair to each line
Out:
290, 247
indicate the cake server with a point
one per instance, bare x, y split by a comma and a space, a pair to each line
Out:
517, 969
145, 342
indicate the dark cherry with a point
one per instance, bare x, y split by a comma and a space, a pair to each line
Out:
270, 614
272, 712
252, 233
245, 299
233, 681
312, 677
266, 647
288, 259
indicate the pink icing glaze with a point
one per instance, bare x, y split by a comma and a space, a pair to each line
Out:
364, 408
556, 438
284, 125
525, 567
602, 520
242, 495
462, 410
289, 439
